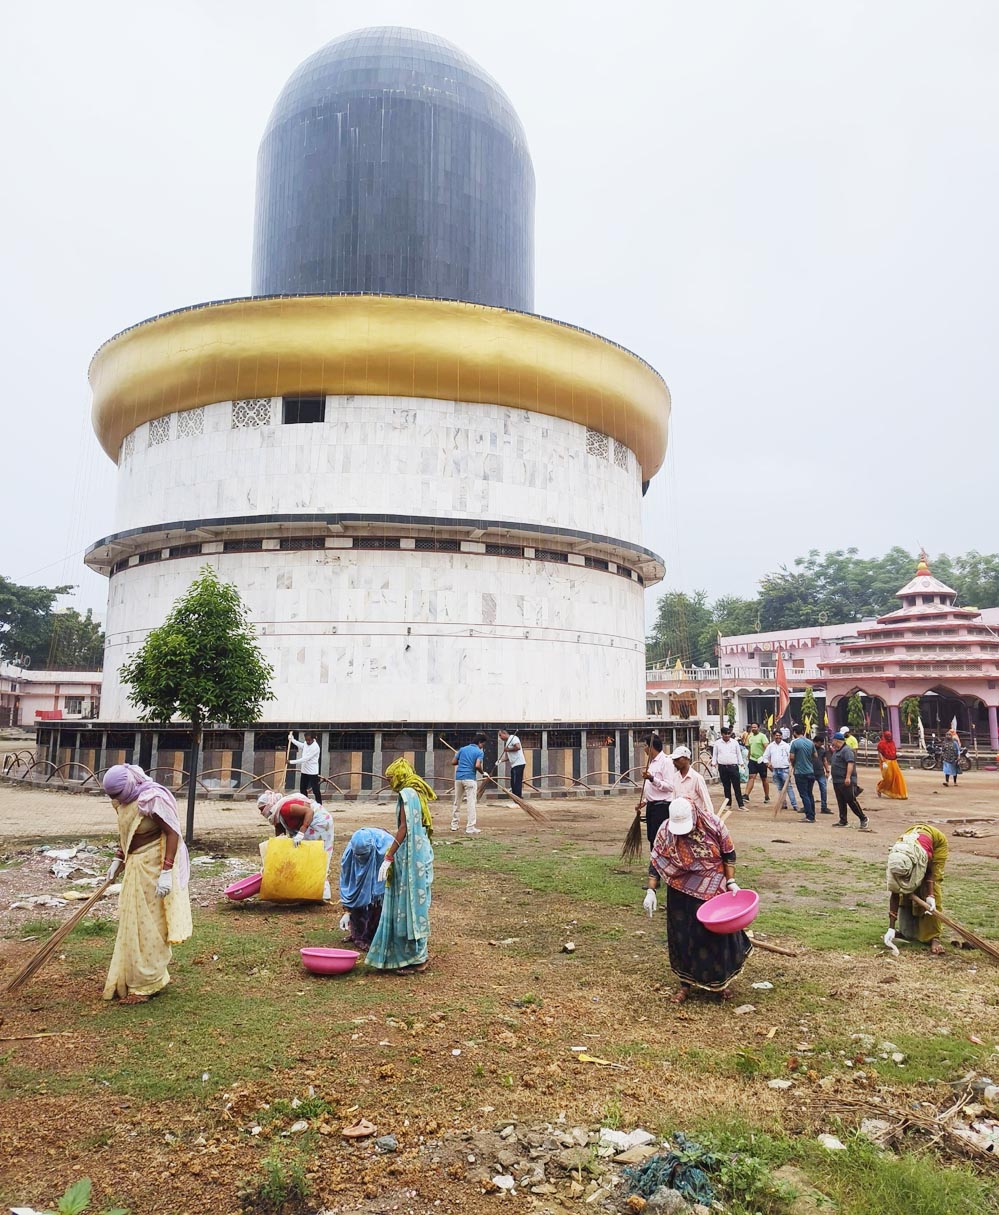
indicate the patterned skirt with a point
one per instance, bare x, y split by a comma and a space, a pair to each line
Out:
364, 924
697, 957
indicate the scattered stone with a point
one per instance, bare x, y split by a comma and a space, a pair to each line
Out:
878, 1130
780, 1084
297, 1128
898, 1057
615, 1139
637, 1155
670, 1202
504, 1182
636, 1204
544, 1188
386, 1143
576, 1190
807, 1200
508, 1132
745, 1008
764, 986
831, 1143
569, 947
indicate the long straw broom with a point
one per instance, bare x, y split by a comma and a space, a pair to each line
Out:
38, 960
529, 808
632, 849
971, 937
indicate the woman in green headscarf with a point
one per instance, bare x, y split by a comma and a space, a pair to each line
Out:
403, 937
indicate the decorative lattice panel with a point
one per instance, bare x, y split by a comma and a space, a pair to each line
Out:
620, 454
190, 423
128, 445
597, 444
251, 413
159, 431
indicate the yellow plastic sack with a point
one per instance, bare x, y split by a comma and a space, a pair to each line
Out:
293, 875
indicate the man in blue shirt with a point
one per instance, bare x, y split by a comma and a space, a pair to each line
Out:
467, 764
803, 761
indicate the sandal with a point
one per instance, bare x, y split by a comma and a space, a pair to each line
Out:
681, 995
725, 995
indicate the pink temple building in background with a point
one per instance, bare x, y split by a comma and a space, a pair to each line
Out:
928, 647
945, 655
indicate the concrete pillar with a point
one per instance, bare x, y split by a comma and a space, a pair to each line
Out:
154, 752
101, 753
584, 759
896, 724
544, 759
377, 764
832, 715
428, 762
247, 757
993, 727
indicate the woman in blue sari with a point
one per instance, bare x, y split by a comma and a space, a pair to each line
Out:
403, 937
361, 893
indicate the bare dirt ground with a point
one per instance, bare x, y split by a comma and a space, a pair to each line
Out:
158, 1103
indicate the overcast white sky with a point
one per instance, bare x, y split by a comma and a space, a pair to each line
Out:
789, 209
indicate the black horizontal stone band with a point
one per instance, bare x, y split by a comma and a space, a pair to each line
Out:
343, 518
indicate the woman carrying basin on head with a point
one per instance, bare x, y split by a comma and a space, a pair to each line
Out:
154, 908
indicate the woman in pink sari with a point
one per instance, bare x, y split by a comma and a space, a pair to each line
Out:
694, 855
154, 908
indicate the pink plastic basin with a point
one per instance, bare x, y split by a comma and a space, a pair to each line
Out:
729, 912
245, 888
329, 961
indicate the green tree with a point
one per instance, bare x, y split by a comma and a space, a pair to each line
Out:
909, 710
682, 627
202, 665
75, 642
855, 713
787, 601
809, 710
25, 619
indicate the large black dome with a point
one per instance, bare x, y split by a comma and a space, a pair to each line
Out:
393, 163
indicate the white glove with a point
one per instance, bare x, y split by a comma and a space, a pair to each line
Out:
115, 868
650, 903
345, 922
931, 903
732, 886
297, 838
889, 940
165, 884
383, 869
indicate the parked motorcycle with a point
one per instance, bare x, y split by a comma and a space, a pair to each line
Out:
934, 757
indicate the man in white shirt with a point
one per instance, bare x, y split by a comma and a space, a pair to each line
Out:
727, 755
688, 783
778, 758
308, 759
657, 792
513, 753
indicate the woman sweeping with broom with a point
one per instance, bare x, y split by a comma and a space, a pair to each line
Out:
154, 909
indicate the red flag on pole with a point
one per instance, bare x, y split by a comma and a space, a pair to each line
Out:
783, 691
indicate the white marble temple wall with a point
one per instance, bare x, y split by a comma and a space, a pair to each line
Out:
387, 636
384, 455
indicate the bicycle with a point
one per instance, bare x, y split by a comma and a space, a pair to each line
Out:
704, 764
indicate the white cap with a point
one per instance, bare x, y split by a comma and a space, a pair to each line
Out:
681, 753
681, 816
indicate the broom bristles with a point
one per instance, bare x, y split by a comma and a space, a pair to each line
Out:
632, 849
529, 808
38, 959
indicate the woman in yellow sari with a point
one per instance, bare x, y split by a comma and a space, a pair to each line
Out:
154, 908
